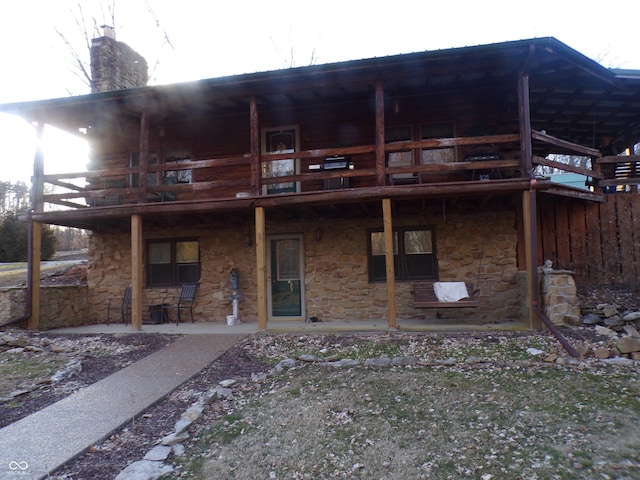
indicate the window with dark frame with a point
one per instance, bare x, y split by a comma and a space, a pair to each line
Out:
172, 262
437, 155
414, 254
169, 157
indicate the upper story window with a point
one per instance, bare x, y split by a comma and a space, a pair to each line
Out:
168, 157
401, 158
437, 155
414, 254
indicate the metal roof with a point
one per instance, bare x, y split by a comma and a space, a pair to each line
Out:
571, 96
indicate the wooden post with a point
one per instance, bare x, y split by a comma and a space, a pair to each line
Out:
380, 155
528, 200
136, 272
261, 279
36, 251
143, 167
531, 255
256, 170
388, 253
37, 203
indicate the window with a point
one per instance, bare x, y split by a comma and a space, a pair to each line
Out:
437, 155
172, 262
170, 156
134, 162
414, 254
402, 158
176, 156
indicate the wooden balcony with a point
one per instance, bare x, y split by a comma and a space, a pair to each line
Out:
237, 182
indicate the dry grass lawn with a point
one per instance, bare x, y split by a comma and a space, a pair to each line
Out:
470, 408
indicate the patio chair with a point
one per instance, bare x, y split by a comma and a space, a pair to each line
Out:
185, 301
124, 306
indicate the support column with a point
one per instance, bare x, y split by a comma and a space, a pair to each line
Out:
36, 252
531, 255
143, 167
136, 272
388, 253
256, 170
35, 232
261, 280
380, 154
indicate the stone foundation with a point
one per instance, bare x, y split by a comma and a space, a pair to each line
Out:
478, 248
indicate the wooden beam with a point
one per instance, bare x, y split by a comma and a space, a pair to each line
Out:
37, 204
531, 255
143, 166
255, 146
524, 111
136, 272
36, 252
380, 153
388, 252
261, 259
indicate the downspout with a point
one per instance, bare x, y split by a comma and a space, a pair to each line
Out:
27, 310
535, 298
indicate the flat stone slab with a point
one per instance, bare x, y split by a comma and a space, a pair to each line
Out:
37, 445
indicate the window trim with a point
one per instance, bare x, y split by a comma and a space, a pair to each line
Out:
401, 258
174, 265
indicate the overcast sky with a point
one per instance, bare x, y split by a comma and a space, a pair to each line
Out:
215, 38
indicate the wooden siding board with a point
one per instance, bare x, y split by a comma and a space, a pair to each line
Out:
578, 241
635, 212
548, 231
609, 231
594, 244
564, 236
625, 220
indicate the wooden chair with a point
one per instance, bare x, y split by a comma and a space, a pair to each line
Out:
185, 301
124, 306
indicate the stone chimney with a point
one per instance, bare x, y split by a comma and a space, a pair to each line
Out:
115, 65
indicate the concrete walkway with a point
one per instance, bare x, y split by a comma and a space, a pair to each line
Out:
35, 446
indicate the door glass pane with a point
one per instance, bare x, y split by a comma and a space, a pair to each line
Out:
286, 296
288, 260
280, 141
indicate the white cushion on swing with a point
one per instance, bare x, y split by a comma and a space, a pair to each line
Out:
450, 291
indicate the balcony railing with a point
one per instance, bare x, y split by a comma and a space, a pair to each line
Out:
241, 175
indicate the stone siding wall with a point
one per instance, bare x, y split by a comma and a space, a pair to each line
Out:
479, 248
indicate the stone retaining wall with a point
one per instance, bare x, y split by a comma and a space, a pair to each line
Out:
60, 306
